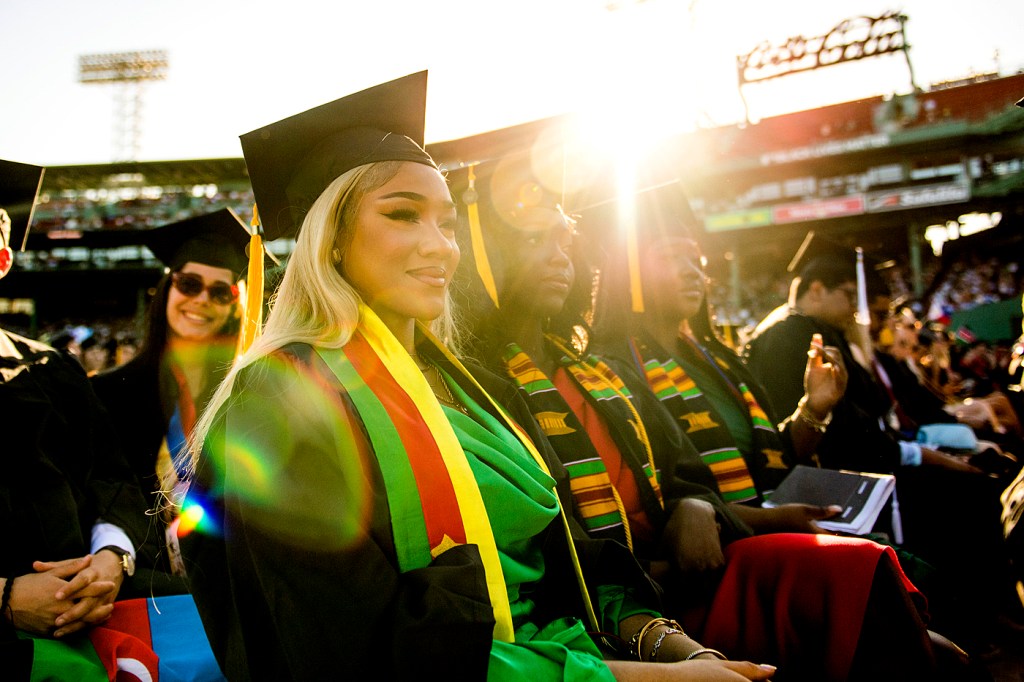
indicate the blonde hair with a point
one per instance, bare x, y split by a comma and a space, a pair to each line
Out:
314, 304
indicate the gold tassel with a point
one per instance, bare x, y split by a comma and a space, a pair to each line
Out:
476, 236
252, 302
636, 288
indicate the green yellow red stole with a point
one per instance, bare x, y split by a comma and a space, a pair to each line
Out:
434, 499
601, 510
701, 422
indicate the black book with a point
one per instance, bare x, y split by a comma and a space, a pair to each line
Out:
861, 495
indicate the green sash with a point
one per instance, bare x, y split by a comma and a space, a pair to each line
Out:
433, 496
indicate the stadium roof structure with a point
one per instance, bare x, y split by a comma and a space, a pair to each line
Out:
146, 173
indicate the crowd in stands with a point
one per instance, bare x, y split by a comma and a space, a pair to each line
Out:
950, 286
111, 210
964, 283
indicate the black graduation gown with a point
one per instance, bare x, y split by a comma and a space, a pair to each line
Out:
62, 470
684, 474
331, 608
141, 397
777, 357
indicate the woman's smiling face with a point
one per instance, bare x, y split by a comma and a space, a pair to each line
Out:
400, 253
199, 318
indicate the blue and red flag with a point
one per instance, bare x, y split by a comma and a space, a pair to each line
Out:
146, 640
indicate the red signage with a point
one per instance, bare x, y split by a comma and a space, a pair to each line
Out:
818, 210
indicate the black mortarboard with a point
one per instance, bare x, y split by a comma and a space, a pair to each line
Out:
816, 248
531, 168
508, 187
821, 252
218, 239
621, 224
292, 162
19, 185
661, 210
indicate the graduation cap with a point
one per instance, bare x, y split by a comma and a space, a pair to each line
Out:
816, 249
820, 256
1020, 102
518, 191
292, 162
624, 222
19, 185
217, 239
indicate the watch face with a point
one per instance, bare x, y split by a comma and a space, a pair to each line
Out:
128, 565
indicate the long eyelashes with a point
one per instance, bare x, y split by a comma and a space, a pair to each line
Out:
403, 215
410, 216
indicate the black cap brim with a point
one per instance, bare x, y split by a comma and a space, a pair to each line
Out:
816, 247
219, 239
661, 211
19, 186
291, 162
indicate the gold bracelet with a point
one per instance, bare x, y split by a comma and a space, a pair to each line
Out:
638, 636
704, 650
804, 414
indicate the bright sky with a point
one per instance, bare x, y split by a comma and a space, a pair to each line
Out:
237, 65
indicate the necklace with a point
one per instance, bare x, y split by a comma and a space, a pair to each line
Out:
438, 385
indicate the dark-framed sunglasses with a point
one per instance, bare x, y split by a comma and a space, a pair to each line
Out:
190, 284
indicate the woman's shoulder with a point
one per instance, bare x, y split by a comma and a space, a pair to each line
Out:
296, 376
279, 365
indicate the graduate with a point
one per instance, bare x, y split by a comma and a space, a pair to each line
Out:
190, 340
371, 506
627, 460
67, 502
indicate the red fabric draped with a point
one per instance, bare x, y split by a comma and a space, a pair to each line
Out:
784, 601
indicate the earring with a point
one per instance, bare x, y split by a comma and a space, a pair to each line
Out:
6, 261
335, 256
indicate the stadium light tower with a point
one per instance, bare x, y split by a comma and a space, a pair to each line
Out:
128, 72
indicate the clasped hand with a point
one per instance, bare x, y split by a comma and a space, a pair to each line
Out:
62, 597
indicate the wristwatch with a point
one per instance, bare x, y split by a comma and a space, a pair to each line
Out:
127, 560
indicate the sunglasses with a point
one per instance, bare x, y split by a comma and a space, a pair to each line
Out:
191, 285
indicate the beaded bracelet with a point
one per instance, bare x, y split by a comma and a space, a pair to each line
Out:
704, 650
661, 638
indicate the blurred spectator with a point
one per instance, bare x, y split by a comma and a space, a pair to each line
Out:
127, 348
95, 355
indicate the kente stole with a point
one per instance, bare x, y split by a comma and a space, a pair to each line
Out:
702, 423
434, 499
602, 511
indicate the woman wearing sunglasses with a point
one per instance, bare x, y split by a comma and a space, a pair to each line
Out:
189, 343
